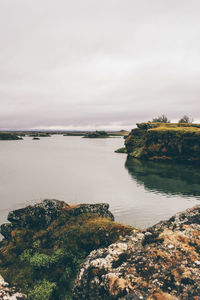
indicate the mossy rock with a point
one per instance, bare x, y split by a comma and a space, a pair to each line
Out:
158, 141
45, 244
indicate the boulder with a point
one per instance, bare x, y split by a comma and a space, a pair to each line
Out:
101, 209
161, 262
39, 215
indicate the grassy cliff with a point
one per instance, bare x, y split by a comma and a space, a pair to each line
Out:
170, 141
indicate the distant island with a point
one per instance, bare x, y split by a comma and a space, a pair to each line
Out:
18, 135
105, 134
9, 136
96, 135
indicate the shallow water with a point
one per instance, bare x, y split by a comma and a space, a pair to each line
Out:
79, 170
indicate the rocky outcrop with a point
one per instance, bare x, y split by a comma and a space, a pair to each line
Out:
9, 293
45, 244
151, 141
42, 214
37, 216
162, 262
102, 209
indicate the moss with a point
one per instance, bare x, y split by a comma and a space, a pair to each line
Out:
170, 141
42, 290
178, 129
43, 261
121, 150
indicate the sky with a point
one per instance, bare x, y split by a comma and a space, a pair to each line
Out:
98, 64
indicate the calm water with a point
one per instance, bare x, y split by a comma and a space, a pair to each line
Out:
80, 170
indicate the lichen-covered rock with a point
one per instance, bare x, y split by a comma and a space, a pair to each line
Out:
164, 142
102, 209
39, 215
42, 214
45, 244
9, 293
162, 262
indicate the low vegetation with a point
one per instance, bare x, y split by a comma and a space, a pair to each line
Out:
185, 119
161, 119
165, 141
43, 260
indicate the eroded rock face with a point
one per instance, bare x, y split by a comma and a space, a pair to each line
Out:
162, 262
167, 143
36, 216
9, 293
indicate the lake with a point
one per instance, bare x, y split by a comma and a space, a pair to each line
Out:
79, 170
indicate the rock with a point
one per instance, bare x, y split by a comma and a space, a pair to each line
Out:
45, 244
39, 215
166, 142
42, 214
161, 262
102, 209
6, 230
9, 293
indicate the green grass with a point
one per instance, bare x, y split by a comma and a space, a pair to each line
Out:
177, 129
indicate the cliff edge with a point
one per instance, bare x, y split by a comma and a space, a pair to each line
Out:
158, 141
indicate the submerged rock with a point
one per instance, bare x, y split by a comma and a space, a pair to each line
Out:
162, 262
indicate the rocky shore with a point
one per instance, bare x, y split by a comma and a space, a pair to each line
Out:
162, 262
52, 250
45, 244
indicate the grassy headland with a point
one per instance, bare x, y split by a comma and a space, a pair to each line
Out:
165, 141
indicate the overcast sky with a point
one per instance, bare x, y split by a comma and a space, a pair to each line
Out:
98, 63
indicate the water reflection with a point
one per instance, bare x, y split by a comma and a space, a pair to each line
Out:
166, 178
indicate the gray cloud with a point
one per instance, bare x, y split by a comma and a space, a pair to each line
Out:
104, 64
